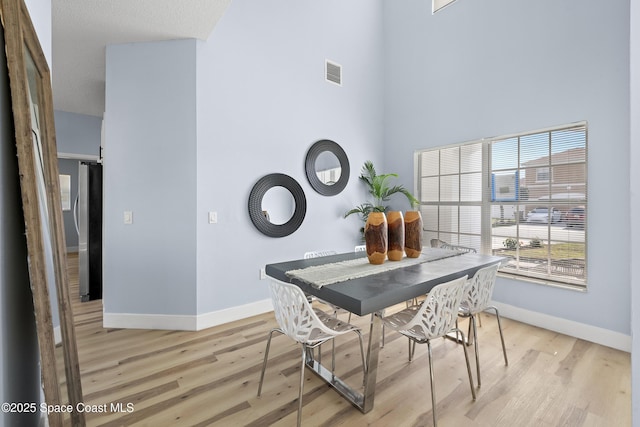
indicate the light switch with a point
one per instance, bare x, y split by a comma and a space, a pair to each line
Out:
213, 217
128, 217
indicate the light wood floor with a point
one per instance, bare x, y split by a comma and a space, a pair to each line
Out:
210, 378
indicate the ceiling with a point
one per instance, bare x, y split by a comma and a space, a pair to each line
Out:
83, 28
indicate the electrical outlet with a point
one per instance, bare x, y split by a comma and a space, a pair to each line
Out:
263, 274
128, 217
213, 217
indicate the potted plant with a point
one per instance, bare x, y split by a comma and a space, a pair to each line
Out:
381, 191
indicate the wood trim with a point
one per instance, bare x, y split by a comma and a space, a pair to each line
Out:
21, 42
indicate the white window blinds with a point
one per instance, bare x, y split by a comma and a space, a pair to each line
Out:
451, 194
521, 196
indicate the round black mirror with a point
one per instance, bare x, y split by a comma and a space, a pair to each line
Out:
285, 202
327, 167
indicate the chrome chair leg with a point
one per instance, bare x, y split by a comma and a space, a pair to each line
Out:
433, 390
472, 324
382, 337
466, 358
504, 348
266, 355
412, 349
333, 354
304, 357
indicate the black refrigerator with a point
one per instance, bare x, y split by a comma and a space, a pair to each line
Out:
89, 222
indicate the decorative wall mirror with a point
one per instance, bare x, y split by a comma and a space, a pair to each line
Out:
32, 105
277, 205
327, 167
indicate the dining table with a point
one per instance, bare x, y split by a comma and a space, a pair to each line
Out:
349, 281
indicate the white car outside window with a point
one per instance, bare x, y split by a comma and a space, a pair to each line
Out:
542, 215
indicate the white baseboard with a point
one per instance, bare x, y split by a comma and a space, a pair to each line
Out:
590, 333
185, 323
234, 313
149, 321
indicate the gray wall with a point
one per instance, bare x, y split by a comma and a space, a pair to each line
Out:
482, 69
78, 133
259, 101
262, 103
150, 169
19, 361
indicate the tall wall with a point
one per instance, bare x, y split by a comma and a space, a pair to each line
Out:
149, 266
262, 102
174, 152
482, 69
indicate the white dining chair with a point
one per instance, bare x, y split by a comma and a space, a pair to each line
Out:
336, 310
308, 326
434, 318
315, 254
437, 243
476, 300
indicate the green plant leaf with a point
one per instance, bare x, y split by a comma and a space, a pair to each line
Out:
380, 190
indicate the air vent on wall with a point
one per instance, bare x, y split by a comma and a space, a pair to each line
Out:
333, 72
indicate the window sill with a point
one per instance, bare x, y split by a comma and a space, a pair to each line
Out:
541, 281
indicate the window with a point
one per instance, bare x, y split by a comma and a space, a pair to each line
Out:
543, 174
520, 196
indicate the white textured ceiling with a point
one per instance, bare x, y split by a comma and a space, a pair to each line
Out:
83, 28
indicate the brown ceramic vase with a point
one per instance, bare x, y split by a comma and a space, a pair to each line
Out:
395, 225
375, 237
413, 234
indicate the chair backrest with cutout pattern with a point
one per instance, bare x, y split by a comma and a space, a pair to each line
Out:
439, 311
316, 254
294, 314
480, 289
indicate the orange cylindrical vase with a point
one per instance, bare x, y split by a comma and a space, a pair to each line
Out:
375, 237
413, 234
395, 225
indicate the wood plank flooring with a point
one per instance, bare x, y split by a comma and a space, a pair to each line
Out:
210, 378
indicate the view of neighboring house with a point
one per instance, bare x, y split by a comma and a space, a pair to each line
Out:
558, 177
